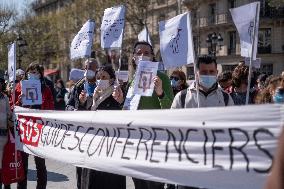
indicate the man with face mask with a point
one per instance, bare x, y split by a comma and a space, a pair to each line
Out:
210, 95
81, 98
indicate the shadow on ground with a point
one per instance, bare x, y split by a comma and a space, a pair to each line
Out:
51, 176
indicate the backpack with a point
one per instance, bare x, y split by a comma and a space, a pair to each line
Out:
184, 92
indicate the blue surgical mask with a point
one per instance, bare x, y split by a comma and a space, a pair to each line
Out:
174, 83
278, 98
33, 76
207, 81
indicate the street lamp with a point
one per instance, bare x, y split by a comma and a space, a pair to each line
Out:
21, 46
214, 43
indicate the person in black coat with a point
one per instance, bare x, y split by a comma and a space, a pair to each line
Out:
60, 94
103, 100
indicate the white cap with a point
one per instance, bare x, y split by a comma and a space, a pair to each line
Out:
20, 72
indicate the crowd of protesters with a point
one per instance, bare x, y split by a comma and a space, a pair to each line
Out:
98, 90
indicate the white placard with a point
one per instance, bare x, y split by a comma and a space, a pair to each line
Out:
246, 19
112, 27
122, 75
31, 92
143, 82
76, 74
255, 63
144, 35
176, 41
216, 148
81, 46
12, 62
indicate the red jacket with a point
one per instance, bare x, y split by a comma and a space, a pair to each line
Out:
47, 97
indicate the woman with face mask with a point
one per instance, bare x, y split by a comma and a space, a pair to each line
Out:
178, 81
33, 72
103, 100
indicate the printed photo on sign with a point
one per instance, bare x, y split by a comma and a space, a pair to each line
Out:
145, 80
31, 90
143, 83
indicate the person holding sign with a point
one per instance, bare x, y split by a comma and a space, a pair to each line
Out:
34, 73
81, 98
161, 99
103, 100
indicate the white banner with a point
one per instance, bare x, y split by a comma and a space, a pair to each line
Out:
230, 147
176, 41
112, 27
12, 62
246, 19
144, 35
81, 46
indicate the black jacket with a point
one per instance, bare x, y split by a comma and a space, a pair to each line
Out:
73, 102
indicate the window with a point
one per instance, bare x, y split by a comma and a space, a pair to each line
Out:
160, 2
232, 42
212, 13
190, 72
228, 67
264, 41
196, 40
231, 3
266, 69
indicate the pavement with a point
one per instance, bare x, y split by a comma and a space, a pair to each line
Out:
59, 176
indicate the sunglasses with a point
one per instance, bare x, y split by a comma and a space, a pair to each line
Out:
175, 78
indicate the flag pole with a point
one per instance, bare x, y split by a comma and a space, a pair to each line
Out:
13, 99
251, 55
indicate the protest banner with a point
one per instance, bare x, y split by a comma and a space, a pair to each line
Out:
246, 19
81, 46
176, 41
31, 92
144, 35
217, 148
112, 27
12, 62
144, 75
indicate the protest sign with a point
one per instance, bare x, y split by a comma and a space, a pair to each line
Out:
176, 41
122, 75
76, 74
81, 46
145, 73
217, 148
255, 63
112, 27
31, 90
246, 19
12, 62
144, 35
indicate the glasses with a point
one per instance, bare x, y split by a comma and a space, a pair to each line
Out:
175, 78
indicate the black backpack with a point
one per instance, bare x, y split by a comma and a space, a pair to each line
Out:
184, 92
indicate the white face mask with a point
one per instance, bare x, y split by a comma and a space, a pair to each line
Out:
102, 84
90, 74
207, 81
142, 58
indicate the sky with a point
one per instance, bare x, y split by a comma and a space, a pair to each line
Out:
19, 4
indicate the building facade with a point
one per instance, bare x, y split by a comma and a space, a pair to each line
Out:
214, 16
